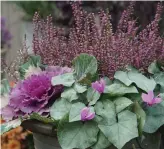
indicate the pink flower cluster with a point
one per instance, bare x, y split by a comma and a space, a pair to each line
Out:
93, 34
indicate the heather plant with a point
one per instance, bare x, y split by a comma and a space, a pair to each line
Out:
114, 50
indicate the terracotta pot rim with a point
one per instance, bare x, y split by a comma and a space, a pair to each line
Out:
36, 126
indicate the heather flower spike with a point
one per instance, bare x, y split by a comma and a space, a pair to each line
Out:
150, 99
86, 114
99, 85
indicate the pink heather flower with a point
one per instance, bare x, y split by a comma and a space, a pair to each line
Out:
150, 99
99, 85
86, 114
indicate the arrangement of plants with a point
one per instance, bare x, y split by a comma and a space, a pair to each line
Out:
99, 88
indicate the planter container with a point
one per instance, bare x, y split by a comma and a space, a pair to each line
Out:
45, 137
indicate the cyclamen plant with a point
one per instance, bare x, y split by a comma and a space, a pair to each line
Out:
78, 99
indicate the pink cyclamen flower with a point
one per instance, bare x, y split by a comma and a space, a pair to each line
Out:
150, 99
86, 114
99, 85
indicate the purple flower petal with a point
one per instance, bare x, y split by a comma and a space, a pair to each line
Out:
90, 116
145, 97
157, 100
99, 85
151, 94
84, 113
150, 99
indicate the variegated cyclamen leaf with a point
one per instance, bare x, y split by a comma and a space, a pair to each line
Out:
92, 96
141, 116
121, 103
102, 142
111, 123
140, 80
66, 79
70, 94
154, 117
119, 89
84, 64
79, 88
60, 108
77, 134
153, 68
75, 110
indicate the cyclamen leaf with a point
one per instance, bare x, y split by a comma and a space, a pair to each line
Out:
79, 88
74, 114
84, 64
70, 94
154, 117
121, 103
159, 78
135, 77
60, 108
153, 68
102, 142
127, 123
107, 81
10, 125
118, 89
141, 81
141, 116
123, 77
92, 96
66, 79
77, 134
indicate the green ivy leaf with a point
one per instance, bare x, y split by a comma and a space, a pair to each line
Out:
92, 96
154, 117
84, 64
141, 116
80, 88
60, 108
66, 79
10, 125
102, 142
118, 131
77, 134
140, 80
118, 89
121, 103
34, 60
74, 114
70, 94
153, 68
